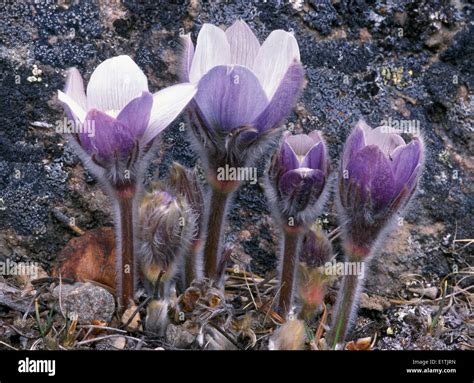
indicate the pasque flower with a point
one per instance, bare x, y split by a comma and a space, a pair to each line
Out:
245, 91
116, 122
378, 176
297, 188
297, 178
126, 117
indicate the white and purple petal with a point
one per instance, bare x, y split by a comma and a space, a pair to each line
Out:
244, 45
230, 97
387, 142
111, 137
168, 103
136, 114
212, 49
187, 57
277, 53
283, 100
316, 158
404, 160
114, 83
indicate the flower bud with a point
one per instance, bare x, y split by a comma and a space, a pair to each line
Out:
167, 227
316, 251
378, 176
297, 177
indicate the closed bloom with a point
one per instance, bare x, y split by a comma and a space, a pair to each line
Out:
245, 89
118, 118
167, 227
316, 251
379, 174
298, 177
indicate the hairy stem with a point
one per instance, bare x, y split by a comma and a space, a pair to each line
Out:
346, 307
191, 271
291, 246
125, 265
215, 226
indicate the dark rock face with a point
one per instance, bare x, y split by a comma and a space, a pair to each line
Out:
375, 59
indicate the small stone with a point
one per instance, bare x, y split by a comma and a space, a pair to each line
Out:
118, 342
179, 337
89, 302
135, 323
389, 331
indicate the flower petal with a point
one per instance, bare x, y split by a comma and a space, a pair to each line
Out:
287, 158
187, 57
110, 136
316, 158
404, 161
276, 54
283, 100
212, 49
168, 103
114, 83
230, 97
371, 171
136, 114
244, 45
387, 142
75, 87
302, 187
354, 143
73, 109
300, 143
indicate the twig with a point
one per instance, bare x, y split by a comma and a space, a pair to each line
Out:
139, 307
92, 327
83, 342
227, 336
7, 345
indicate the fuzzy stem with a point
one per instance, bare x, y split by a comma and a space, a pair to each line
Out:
191, 271
291, 246
217, 210
125, 265
346, 306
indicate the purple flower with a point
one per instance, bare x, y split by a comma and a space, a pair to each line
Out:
378, 175
298, 177
245, 89
118, 119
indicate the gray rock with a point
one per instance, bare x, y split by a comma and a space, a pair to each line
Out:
179, 337
88, 301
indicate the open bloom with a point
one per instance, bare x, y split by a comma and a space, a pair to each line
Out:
378, 175
118, 118
298, 177
245, 89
